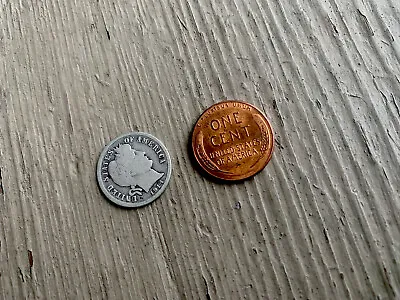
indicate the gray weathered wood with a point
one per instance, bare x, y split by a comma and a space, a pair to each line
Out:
320, 222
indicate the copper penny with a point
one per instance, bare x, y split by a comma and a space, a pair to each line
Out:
232, 140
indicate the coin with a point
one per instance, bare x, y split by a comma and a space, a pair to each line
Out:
134, 169
232, 140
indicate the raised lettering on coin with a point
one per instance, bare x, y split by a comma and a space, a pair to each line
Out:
134, 169
232, 140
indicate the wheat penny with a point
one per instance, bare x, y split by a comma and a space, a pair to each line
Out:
232, 140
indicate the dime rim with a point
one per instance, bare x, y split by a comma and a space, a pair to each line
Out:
152, 198
242, 176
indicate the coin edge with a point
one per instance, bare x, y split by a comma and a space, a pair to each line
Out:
154, 197
238, 177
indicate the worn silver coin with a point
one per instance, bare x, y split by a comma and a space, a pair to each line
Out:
134, 169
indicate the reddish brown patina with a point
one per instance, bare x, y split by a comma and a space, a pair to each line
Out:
232, 140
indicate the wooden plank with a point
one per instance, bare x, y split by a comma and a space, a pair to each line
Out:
320, 222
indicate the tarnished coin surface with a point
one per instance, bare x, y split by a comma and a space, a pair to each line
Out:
232, 140
134, 169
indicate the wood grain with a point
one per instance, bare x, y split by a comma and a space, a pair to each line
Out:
320, 222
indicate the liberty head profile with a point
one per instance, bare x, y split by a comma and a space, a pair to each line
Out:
133, 168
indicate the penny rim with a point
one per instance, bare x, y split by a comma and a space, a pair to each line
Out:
243, 171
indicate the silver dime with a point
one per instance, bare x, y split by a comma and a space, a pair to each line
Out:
134, 169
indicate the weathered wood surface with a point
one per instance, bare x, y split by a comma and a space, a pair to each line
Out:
320, 222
